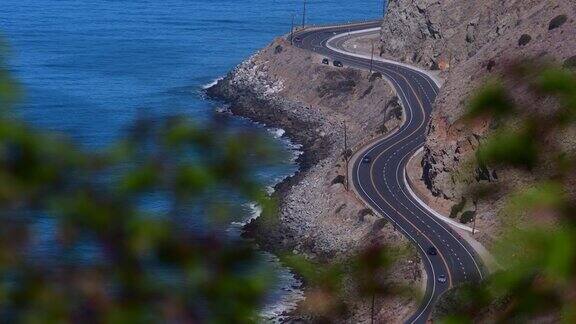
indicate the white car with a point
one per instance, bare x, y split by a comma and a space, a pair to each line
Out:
442, 278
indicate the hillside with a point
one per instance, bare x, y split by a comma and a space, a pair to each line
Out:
287, 87
471, 42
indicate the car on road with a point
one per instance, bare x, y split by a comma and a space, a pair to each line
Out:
442, 279
432, 250
326, 61
297, 39
366, 159
338, 64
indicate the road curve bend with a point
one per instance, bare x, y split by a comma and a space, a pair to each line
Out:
382, 183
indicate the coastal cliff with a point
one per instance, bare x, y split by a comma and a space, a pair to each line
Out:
470, 42
289, 88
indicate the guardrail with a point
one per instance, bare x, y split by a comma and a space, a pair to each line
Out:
355, 22
300, 29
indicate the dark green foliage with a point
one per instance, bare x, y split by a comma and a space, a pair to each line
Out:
570, 63
152, 268
364, 274
556, 81
461, 303
467, 216
517, 148
393, 108
536, 250
457, 208
491, 100
9, 90
557, 22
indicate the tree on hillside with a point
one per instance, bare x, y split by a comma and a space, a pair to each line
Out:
534, 106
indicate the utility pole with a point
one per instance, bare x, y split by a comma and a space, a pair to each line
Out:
372, 313
346, 154
475, 215
372, 59
292, 31
304, 15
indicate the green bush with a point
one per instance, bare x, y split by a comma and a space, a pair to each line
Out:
467, 216
151, 267
457, 208
537, 257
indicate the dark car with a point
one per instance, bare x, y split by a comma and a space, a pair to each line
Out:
338, 64
297, 39
432, 250
326, 61
366, 159
442, 278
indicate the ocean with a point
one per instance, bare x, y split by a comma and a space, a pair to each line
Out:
89, 67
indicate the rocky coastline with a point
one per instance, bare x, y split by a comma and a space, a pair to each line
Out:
285, 87
249, 100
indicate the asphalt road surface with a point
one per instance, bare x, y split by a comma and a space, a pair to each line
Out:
381, 182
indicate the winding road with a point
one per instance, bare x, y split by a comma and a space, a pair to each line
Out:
382, 182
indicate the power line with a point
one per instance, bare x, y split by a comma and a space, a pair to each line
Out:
346, 185
372, 59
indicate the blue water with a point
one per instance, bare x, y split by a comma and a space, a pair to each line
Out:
89, 66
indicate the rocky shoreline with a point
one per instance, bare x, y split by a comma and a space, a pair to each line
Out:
288, 88
246, 101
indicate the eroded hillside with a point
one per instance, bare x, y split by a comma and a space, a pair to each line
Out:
472, 42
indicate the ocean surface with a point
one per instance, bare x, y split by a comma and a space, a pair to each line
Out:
90, 66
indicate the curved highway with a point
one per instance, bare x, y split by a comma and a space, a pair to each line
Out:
381, 182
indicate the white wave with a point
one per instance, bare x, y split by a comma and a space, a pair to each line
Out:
212, 83
277, 132
270, 190
295, 149
290, 295
288, 291
255, 212
296, 153
224, 109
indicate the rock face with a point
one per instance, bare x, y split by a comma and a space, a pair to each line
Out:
283, 86
438, 34
471, 41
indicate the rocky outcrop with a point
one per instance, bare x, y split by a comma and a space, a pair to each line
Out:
286, 87
439, 34
472, 41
